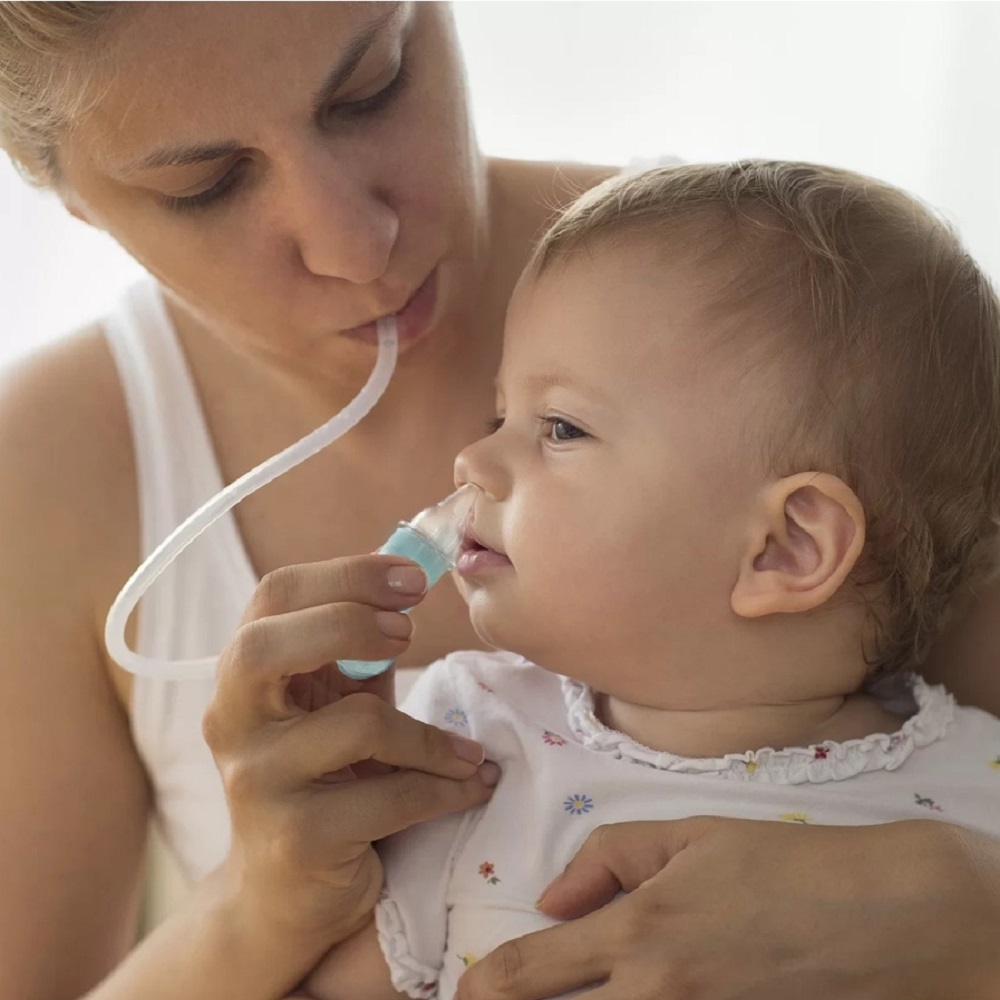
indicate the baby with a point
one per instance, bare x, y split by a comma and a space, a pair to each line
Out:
747, 448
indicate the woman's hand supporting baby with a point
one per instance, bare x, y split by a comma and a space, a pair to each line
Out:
727, 909
317, 766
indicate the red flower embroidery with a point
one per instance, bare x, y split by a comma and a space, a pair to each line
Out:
553, 739
488, 872
820, 753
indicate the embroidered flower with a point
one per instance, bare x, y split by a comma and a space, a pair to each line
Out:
927, 803
468, 959
795, 817
428, 987
995, 763
485, 687
456, 717
751, 766
553, 739
488, 872
820, 753
578, 804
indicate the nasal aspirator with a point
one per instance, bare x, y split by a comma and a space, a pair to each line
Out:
433, 540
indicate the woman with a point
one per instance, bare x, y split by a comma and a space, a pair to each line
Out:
289, 173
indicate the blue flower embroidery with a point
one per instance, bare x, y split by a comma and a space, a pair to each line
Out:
456, 717
578, 804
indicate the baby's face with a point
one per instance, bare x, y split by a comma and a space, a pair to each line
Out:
617, 486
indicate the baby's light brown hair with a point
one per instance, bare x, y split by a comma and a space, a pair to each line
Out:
887, 337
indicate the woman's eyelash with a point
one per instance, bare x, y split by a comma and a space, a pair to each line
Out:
213, 195
367, 106
378, 101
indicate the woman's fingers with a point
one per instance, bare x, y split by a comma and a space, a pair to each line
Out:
768, 898
366, 811
363, 727
615, 858
544, 964
382, 581
265, 653
302, 618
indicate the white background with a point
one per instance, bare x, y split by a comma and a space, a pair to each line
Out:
906, 91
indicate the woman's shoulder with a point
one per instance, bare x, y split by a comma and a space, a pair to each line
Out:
63, 422
69, 470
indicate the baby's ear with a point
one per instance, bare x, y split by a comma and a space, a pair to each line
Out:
807, 535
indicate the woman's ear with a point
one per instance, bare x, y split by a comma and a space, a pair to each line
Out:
808, 533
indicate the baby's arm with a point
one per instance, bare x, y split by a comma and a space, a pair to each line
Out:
353, 970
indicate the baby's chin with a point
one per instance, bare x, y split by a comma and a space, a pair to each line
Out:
495, 628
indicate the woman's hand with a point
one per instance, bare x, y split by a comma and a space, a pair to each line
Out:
317, 766
724, 909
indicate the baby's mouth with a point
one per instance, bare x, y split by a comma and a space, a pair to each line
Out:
471, 542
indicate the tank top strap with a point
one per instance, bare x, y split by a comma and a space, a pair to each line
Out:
195, 605
175, 460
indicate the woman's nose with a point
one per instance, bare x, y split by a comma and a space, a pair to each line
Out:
481, 463
343, 227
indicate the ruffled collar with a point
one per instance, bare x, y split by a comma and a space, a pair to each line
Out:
829, 761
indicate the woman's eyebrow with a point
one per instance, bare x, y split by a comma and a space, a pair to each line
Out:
182, 156
354, 53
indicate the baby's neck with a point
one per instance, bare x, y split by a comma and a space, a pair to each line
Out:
716, 731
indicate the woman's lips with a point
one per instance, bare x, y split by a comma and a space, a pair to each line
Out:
412, 321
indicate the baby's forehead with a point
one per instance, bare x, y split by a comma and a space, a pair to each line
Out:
632, 305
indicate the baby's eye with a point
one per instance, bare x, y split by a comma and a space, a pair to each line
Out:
492, 426
563, 430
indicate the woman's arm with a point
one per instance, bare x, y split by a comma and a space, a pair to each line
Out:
725, 909
74, 796
301, 873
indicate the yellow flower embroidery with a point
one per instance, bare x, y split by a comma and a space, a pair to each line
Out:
796, 817
995, 763
468, 959
751, 766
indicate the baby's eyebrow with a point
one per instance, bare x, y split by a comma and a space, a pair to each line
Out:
540, 382
185, 155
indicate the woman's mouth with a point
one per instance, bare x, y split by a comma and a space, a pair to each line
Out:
412, 321
476, 558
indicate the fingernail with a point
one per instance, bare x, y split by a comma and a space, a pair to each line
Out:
407, 579
540, 902
489, 773
394, 624
468, 750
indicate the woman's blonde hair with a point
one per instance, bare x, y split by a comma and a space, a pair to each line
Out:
43, 77
886, 335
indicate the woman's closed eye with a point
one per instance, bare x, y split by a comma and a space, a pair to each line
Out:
368, 106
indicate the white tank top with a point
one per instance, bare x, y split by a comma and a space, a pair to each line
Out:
194, 607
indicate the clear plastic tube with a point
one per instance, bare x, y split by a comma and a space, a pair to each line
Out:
433, 540
172, 546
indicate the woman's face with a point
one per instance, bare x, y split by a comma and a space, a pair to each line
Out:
288, 171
